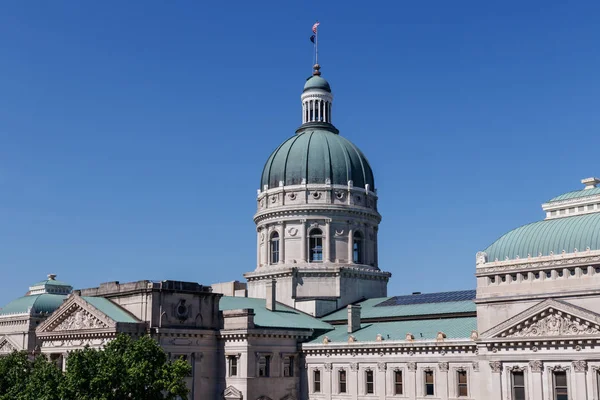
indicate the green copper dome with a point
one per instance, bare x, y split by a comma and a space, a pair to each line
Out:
316, 82
34, 304
317, 154
554, 235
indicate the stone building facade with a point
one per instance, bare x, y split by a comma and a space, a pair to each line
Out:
314, 320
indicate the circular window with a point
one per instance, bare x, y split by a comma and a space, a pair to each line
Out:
339, 195
316, 195
292, 196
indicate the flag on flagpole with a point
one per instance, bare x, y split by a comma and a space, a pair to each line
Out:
315, 27
312, 38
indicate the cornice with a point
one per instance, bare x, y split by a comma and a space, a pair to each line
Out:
551, 205
300, 210
587, 257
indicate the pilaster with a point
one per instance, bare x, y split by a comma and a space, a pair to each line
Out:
442, 381
579, 386
496, 369
537, 386
411, 381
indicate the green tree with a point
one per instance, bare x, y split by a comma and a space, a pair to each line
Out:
21, 378
124, 369
14, 373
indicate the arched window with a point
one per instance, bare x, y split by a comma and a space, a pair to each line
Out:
357, 248
274, 248
315, 245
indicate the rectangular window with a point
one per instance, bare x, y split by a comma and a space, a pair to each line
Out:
316, 249
518, 385
561, 390
274, 250
429, 385
264, 366
288, 366
398, 386
369, 382
461, 379
317, 381
342, 381
232, 365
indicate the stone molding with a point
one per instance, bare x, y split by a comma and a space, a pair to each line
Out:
496, 367
412, 366
382, 366
354, 367
443, 366
536, 366
577, 201
579, 366
527, 264
558, 319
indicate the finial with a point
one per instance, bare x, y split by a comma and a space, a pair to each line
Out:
52, 277
316, 71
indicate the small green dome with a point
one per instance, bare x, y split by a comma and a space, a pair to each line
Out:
554, 235
34, 304
316, 154
316, 82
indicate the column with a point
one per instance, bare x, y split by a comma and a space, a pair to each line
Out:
496, 368
350, 245
442, 381
265, 244
328, 380
578, 381
537, 386
353, 381
411, 381
380, 380
327, 242
303, 240
319, 110
258, 248
282, 244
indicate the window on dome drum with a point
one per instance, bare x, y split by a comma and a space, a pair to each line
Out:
370, 387
264, 366
317, 381
398, 384
342, 381
561, 390
518, 385
315, 243
461, 380
232, 360
429, 385
274, 248
357, 251
288, 366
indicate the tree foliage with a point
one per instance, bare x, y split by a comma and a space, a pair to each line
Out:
124, 369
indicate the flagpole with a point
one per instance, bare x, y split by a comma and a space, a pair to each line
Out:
317, 45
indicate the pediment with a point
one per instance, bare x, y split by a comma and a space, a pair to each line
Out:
548, 319
231, 393
76, 315
7, 346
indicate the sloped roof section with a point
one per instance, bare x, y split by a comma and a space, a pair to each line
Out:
425, 329
576, 194
282, 317
111, 310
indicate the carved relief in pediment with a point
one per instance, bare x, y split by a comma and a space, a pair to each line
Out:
6, 346
231, 393
79, 319
552, 324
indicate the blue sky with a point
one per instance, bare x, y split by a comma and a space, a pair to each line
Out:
133, 134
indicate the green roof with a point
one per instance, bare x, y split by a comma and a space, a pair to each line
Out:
425, 329
112, 310
51, 282
369, 309
282, 317
575, 194
34, 304
317, 155
554, 235
316, 82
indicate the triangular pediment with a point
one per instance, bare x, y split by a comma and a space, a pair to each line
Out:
76, 315
548, 319
7, 346
232, 393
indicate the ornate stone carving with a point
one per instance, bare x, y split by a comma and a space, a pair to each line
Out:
339, 233
292, 196
536, 366
354, 367
496, 367
326, 340
518, 368
182, 310
443, 366
293, 231
340, 195
559, 368
580, 366
554, 325
6, 346
481, 257
475, 365
80, 319
474, 335
328, 366
381, 366
412, 366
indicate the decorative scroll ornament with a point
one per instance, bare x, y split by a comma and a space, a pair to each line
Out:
354, 367
481, 257
475, 366
412, 366
293, 231
580, 366
536, 366
496, 367
555, 325
559, 368
443, 366
80, 319
339, 233
381, 366
328, 366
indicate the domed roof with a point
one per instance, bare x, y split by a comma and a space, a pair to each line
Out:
554, 235
316, 154
316, 82
34, 304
